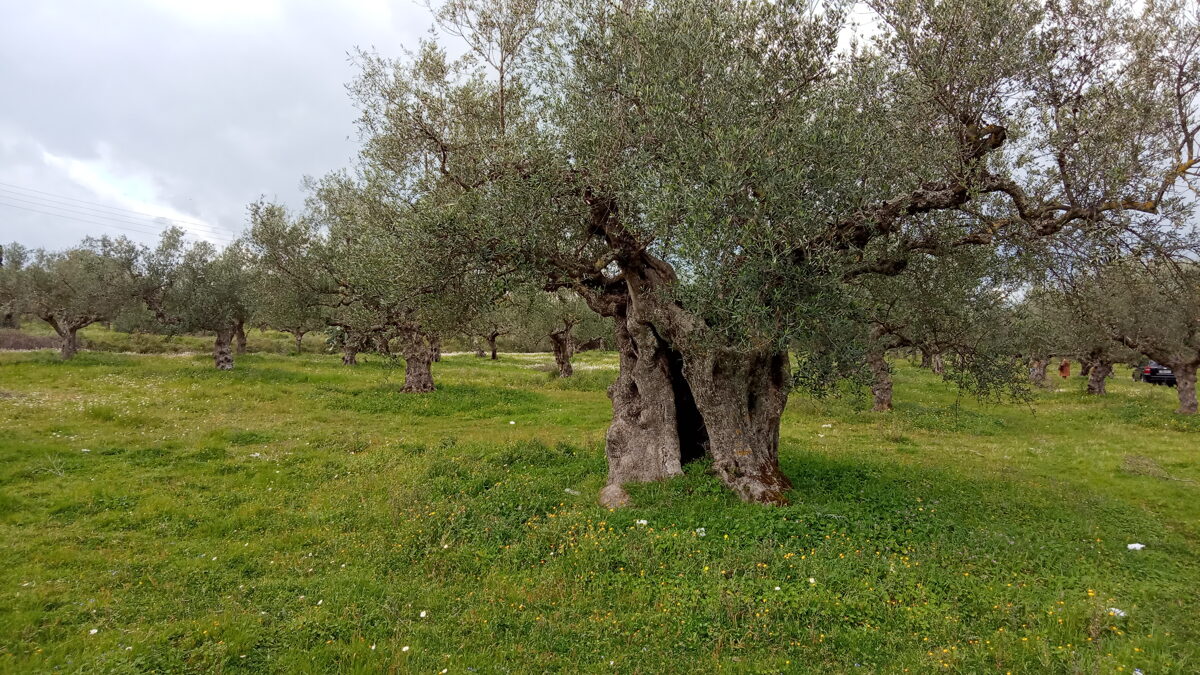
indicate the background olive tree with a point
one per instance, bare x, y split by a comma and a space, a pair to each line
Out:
73, 289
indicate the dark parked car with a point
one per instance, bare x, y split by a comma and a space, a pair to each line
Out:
1155, 373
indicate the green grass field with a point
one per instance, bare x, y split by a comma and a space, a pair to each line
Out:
298, 516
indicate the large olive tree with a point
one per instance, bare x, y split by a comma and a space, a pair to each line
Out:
706, 174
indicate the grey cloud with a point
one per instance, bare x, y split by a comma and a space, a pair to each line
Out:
211, 113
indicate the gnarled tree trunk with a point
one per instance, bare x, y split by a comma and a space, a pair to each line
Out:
349, 354
437, 349
881, 379
589, 345
299, 335
1086, 365
1098, 372
70, 343
1037, 371
939, 364
741, 397
655, 423
491, 340
222, 349
926, 357
239, 331
563, 344
1185, 387
418, 350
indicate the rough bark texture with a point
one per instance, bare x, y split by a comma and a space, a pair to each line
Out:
1185, 387
239, 331
881, 380
491, 340
436, 342
222, 349
1098, 372
589, 345
1086, 365
299, 335
70, 343
741, 397
564, 348
645, 441
479, 353
926, 358
939, 364
1037, 371
349, 355
418, 350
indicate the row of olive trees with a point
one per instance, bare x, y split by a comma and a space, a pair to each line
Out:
294, 276
187, 288
1124, 309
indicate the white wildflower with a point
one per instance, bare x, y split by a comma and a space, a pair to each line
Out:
422, 614
778, 588
700, 532
84, 450
93, 631
404, 648
826, 426
642, 522
812, 580
511, 422
1116, 612
1136, 547
372, 647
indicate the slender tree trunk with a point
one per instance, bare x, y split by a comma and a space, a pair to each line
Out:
239, 331
741, 397
491, 340
1037, 371
299, 335
655, 424
1098, 372
418, 351
926, 357
564, 348
349, 355
1185, 387
939, 364
70, 343
881, 384
436, 343
222, 351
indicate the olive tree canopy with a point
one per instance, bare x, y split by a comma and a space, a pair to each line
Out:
706, 174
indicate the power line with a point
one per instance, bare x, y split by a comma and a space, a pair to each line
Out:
90, 222
50, 196
114, 217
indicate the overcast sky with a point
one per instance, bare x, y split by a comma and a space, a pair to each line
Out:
115, 112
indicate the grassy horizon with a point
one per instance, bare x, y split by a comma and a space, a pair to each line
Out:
294, 515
